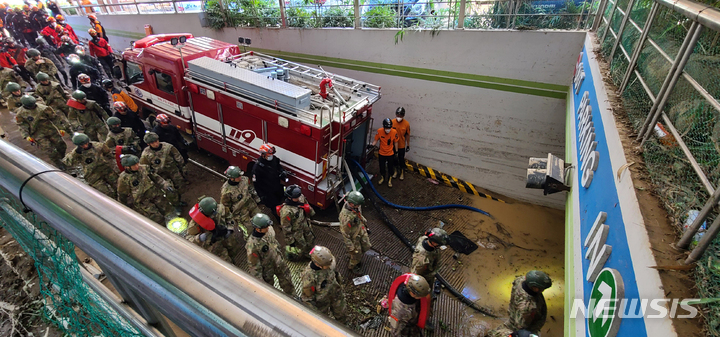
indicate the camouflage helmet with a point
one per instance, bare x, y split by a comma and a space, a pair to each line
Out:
78, 95
261, 220
41, 76
80, 139
293, 191
321, 256
28, 102
233, 172
112, 121
32, 52
355, 198
437, 235
418, 285
151, 137
12, 86
207, 205
128, 160
539, 279
523, 333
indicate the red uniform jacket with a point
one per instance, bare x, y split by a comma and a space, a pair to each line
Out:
19, 54
6, 60
99, 47
71, 33
50, 31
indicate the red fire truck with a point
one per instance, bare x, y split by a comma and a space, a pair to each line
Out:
232, 102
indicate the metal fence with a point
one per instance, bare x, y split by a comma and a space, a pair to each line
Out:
664, 58
411, 14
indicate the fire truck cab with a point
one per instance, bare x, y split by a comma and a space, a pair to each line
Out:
232, 102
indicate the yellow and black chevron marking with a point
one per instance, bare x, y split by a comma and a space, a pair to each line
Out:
448, 180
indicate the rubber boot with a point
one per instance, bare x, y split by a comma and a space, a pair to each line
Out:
381, 180
390, 182
402, 175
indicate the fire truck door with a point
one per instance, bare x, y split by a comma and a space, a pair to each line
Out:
167, 87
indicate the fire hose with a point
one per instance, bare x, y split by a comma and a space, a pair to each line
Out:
367, 184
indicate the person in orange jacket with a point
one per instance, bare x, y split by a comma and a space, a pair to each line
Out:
119, 95
95, 24
68, 29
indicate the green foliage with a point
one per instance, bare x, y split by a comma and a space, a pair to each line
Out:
380, 17
338, 17
242, 13
299, 17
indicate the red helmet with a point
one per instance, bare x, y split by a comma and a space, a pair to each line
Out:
59, 29
92, 17
267, 149
82, 78
92, 32
51, 19
60, 17
119, 106
163, 119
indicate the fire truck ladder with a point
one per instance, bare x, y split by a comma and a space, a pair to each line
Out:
334, 172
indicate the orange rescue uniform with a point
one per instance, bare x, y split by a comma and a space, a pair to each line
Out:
387, 141
403, 131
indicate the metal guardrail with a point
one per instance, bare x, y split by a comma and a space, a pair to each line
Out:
159, 273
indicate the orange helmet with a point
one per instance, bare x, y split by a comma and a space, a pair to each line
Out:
92, 17
82, 78
92, 32
2, 6
120, 106
59, 17
59, 29
267, 149
163, 119
51, 19
34, 8
25, 7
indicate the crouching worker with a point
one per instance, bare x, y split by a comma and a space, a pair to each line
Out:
409, 300
207, 229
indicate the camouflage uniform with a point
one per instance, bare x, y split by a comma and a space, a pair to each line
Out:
526, 311
47, 66
98, 167
143, 192
265, 259
13, 102
407, 316
321, 290
242, 201
8, 75
167, 163
125, 138
90, 121
296, 227
42, 124
228, 249
425, 262
54, 95
352, 227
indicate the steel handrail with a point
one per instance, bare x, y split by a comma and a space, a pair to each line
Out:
199, 292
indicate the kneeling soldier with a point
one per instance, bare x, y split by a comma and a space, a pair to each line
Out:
207, 229
409, 299
97, 163
264, 256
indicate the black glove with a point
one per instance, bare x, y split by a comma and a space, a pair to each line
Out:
292, 244
78, 150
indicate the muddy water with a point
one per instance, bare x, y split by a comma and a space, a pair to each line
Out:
538, 234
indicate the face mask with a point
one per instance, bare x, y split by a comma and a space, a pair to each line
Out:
387, 130
87, 85
270, 157
399, 119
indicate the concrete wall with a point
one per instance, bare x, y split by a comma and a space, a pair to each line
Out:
473, 112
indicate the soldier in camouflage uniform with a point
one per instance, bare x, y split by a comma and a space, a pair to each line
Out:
527, 304
40, 125
52, 93
405, 307
165, 160
142, 190
87, 116
265, 258
426, 258
208, 230
120, 136
295, 222
12, 95
97, 162
321, 287
36, 64
353, 228
239, 197
8, 75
